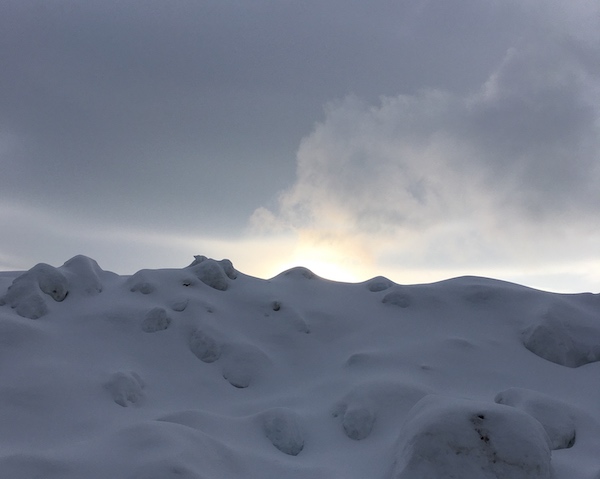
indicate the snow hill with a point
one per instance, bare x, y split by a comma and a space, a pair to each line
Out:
206, 373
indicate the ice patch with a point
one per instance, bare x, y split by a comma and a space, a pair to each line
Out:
446, 438
281, 426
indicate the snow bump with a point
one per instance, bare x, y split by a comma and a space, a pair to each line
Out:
357, 419
27, 294
125, 387
204, 346
556, 416
243, 364
379, 283
446, 438
156, 320
397, 298
565, 336
281, 426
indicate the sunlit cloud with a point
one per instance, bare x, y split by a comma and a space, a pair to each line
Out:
502, 180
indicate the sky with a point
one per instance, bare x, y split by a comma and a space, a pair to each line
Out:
415, 140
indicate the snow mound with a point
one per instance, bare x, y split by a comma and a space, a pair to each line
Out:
281, 426
387, 400
227, 386
141, 282
554, 415
125, 387
379, 283
25, 293
357, 419
298, 272
212, 273
84, 275
446, 438
565, 335
156, 320
204, 346
397, 298
179, 305
225, 264
243, 364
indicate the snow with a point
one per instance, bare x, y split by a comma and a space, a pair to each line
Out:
204, 372
449, 437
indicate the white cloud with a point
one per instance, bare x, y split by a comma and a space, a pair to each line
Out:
503, 180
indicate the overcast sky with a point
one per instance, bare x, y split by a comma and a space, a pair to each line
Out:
415, 140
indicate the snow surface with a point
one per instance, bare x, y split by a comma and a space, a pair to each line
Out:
206, 373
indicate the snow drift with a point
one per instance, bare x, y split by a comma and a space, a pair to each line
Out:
204, 372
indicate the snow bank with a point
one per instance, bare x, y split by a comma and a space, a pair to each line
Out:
456, 438
205, 373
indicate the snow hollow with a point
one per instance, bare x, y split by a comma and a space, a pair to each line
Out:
206, 373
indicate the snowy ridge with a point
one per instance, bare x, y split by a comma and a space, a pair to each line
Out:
206, 373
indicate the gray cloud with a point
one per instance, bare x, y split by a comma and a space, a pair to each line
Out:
185, 116
455, 179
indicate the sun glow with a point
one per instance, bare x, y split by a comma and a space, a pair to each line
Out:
334, 260
324, 269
